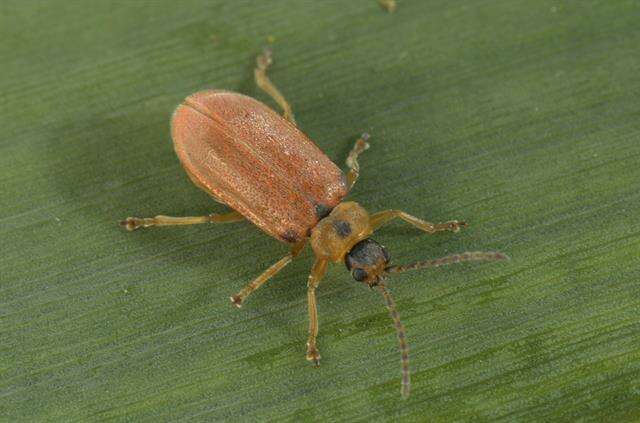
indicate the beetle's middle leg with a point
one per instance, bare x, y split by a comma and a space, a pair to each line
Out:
378, 219
133, 223
266, 275
262, 80
352, 160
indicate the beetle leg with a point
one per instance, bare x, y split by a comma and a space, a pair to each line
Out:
378, 219
262, 80
133, 223
266, 275
352, 160
317, 272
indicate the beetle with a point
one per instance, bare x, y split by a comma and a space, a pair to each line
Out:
245, 155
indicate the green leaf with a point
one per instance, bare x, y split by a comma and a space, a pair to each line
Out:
520, 117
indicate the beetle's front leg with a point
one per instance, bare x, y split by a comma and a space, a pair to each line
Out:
383, 217
317, 272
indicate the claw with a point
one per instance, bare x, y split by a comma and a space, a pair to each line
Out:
362, 142
265, 59
313, 355
131, 223
236, 300
454, 225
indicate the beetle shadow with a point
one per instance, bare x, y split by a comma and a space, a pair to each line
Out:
247, 85
107, 168
124, 165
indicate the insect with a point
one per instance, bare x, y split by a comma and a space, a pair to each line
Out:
260, 164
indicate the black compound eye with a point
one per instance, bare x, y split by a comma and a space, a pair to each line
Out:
359, 274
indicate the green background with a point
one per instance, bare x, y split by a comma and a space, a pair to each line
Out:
521, 117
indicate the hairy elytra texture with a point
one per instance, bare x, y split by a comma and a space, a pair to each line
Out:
247, 156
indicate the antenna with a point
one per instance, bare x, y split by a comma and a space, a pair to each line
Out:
404, 348
454, 258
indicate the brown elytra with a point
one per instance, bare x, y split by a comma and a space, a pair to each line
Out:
247, 156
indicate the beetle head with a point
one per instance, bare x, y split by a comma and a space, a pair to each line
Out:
367, 262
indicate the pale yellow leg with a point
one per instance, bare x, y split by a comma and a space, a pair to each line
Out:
133, 223
383, 217
266, 275
352, 159
262, 80
317, 272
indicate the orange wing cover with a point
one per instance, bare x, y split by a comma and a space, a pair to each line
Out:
247, 156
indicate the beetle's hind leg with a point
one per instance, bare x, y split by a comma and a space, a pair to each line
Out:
133, 223
266, 275
352, 160
262, 80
